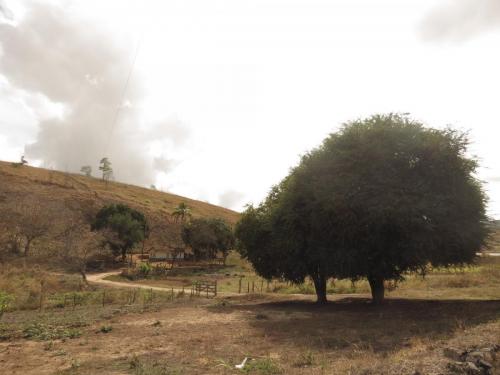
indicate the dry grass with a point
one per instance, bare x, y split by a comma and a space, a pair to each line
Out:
348, 336
50, 184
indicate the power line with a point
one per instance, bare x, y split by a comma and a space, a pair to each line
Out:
122, 97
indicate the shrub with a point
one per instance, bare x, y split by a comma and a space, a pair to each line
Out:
5, 300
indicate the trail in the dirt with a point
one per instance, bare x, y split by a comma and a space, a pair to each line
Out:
100, 278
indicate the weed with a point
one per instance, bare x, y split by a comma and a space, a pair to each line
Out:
40, 331
151, 367
48, 346
305, 359
106, 329
264, 366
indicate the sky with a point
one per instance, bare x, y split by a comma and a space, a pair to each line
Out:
217, 100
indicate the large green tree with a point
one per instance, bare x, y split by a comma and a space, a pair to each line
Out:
207, 236
382, 197
122, 226
288, 236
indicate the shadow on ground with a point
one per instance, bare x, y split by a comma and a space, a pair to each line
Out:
355, 323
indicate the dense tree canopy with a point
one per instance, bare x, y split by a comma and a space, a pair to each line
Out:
382, 197
207, 236
124, 227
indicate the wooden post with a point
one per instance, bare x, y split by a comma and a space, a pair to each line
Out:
215, 292
248, 287
239, 286
74, 301
42, 292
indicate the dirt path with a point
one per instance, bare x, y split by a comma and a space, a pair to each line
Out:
100, 278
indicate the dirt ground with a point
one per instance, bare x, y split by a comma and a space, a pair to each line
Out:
287, 336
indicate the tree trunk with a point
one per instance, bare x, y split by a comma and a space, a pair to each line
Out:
27, 248
377, 287
320, 286
83, 272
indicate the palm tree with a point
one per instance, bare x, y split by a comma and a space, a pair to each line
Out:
181, 213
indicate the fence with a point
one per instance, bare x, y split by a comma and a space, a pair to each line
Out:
104, 297
206, 287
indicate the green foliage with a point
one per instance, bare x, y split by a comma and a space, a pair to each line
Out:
264, 366
43, 332
382, 197
208, 236
106, 329
86, 170
5, 301
105, 168
182, 213
145, 269
127, 226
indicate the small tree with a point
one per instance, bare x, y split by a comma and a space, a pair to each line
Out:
122, 227
182, 213
30, 220
105, 168
86, 170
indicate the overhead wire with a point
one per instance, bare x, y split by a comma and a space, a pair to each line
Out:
122, 97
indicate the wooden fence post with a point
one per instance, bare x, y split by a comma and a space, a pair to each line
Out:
42, 292
239, 286
215, 292
248, 287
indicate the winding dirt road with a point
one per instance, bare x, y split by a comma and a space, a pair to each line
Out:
100, 278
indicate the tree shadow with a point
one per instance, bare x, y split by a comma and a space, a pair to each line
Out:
356, 323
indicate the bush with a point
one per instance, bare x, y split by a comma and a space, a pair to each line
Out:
5, 300
145, 269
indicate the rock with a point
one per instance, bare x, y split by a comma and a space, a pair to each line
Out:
456, 367
468, 368
453, 353
486, 365
472, 369
474, 356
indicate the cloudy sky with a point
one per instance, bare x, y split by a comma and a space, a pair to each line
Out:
216, 100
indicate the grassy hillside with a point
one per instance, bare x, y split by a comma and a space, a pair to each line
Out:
60, 185
59, 193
